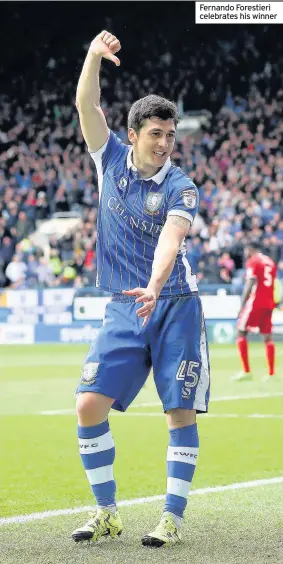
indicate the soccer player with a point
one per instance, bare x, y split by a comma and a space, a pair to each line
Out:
154, 318
256, 308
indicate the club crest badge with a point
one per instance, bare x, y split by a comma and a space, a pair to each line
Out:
189, 198
122, 183
153, 203
89, 373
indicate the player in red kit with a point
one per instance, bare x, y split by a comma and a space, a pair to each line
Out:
256, 308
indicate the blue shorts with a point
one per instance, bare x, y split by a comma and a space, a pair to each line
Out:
173, 343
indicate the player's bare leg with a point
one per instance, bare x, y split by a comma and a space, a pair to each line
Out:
93, 408
242, 346
178, 418
97, 452
181, 462
270, 356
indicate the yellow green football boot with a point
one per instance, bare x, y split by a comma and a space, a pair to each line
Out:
165, 534
102, 523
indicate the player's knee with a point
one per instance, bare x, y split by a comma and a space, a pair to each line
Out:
267, 338
240, 334
92, 408
178, 418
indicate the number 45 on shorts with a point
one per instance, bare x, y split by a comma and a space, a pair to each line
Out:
187, 370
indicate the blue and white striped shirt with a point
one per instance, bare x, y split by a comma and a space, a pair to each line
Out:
132, 212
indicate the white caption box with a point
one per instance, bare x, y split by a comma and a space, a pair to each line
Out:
239, 12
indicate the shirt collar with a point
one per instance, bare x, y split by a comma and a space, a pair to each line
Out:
158, 177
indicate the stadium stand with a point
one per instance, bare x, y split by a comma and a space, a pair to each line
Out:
235, 157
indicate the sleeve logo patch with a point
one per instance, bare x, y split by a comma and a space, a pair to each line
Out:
189, 198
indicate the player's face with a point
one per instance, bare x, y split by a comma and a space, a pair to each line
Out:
154, 143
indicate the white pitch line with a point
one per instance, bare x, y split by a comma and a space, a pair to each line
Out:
158, 403
218, 398
158, 414
207, 415
59, 412
249, 396
138, 501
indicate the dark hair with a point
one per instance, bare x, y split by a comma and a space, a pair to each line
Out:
150, 106
254, 245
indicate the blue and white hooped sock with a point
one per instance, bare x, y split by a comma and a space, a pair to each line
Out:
97, 452
182, 457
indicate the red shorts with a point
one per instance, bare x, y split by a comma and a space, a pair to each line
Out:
255, 320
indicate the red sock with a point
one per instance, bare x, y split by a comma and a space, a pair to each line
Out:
242, 345
270, 355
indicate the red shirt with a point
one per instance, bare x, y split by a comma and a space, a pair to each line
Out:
263, 269
89, 257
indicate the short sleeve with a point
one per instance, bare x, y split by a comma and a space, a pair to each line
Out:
184, 202
109, 154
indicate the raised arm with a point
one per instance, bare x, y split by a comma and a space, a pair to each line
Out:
92, 120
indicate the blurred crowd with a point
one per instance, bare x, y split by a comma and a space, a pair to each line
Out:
236, 160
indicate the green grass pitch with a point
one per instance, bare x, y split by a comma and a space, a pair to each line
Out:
241, 441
